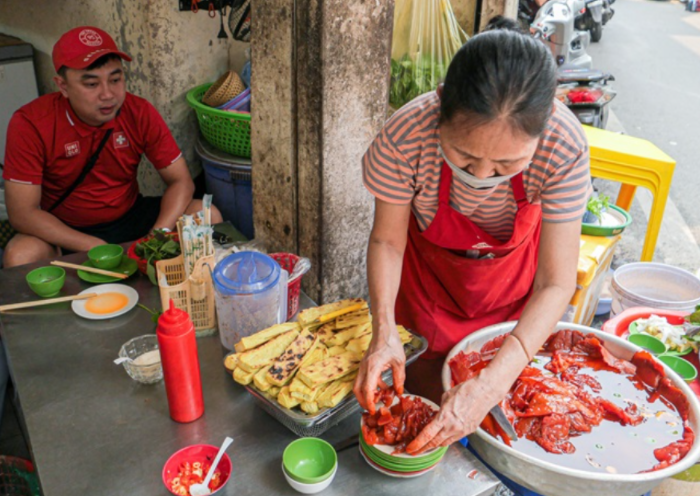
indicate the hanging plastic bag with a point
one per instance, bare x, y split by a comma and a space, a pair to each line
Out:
426, 37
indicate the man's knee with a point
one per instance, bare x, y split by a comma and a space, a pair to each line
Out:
23, 249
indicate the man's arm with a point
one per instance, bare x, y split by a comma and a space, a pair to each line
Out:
26, 216
178, 193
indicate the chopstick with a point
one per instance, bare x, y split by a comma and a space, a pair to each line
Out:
90, 269
37, 303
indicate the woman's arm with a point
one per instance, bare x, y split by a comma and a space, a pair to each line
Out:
466, 405
385, 251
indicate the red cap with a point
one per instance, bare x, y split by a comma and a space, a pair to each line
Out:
80, 47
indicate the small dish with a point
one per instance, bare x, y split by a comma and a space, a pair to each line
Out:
682, 367
650, 343
388, 450
632, 329
144, 363
309, 460
391, 473
400, 465
197, 453
82, 307
127, 266
309, 488
106, 256
46, 281
616, 220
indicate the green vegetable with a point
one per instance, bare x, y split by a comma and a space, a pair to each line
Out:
597, 204
694, 318
155, 314
412, 78
161, 246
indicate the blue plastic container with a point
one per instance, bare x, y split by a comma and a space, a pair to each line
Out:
228, 178
251, 295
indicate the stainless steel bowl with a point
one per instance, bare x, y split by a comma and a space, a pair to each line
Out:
553, 480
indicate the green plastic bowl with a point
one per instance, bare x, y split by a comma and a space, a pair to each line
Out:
597, 230
46, 281
398, 464
309, 460
681, 367
648, 342
106, 256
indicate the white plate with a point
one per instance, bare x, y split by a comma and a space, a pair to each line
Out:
78, 306
388, 449
407, 475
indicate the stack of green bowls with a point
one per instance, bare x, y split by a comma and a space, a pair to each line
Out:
401, 465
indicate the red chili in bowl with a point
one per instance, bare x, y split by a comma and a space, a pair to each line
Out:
193, 473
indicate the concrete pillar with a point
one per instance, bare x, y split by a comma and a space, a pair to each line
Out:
308, 140
465, 11
273, 124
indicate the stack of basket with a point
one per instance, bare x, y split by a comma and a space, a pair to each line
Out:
226, 130
225, 89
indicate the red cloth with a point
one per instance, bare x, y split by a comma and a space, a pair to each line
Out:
48, 145
446, 296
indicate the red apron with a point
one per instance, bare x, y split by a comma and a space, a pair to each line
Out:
444, 295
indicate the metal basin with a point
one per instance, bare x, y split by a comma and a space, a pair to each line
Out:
549, 479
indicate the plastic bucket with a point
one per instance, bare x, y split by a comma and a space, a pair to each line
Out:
655, 285
229, 179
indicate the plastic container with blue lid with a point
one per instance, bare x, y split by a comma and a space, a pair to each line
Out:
251, 295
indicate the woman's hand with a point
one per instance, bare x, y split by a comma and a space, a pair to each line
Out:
463, 408
385, 352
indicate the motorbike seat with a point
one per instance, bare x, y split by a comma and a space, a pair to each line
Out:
581, 75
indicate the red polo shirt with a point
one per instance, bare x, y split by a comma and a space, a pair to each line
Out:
48, 145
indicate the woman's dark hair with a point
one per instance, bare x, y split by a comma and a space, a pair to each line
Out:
501, 22
500, 74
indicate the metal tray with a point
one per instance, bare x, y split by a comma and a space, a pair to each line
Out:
311, 425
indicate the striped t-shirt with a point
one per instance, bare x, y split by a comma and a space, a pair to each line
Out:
402, 165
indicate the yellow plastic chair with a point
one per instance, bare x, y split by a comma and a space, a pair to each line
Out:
633, 162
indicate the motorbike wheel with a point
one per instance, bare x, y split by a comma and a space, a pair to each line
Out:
596, 31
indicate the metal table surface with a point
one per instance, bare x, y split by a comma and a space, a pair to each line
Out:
93, 430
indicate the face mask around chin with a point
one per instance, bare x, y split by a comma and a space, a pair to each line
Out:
473, 181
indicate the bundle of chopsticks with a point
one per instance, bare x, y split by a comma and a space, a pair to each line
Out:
196, 236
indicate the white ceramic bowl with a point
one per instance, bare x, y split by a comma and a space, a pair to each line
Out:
310, 488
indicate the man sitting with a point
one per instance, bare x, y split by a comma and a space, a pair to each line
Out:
55, 200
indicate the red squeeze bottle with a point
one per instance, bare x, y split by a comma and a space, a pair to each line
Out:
178, 354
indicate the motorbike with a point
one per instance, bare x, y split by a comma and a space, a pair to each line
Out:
554, 24
587, 94
583, 89
593, 16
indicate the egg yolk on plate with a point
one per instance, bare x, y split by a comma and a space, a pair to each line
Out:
106, 303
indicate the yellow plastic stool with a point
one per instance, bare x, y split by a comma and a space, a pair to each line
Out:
633, 162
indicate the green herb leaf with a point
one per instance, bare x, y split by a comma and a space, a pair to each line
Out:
597, 204
151, 272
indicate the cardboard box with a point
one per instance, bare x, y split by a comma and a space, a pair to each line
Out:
595, 257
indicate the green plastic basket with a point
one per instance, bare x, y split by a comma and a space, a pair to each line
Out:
227, 131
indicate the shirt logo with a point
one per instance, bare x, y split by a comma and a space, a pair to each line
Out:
119, 140
90, 38
72, 149
481, 246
